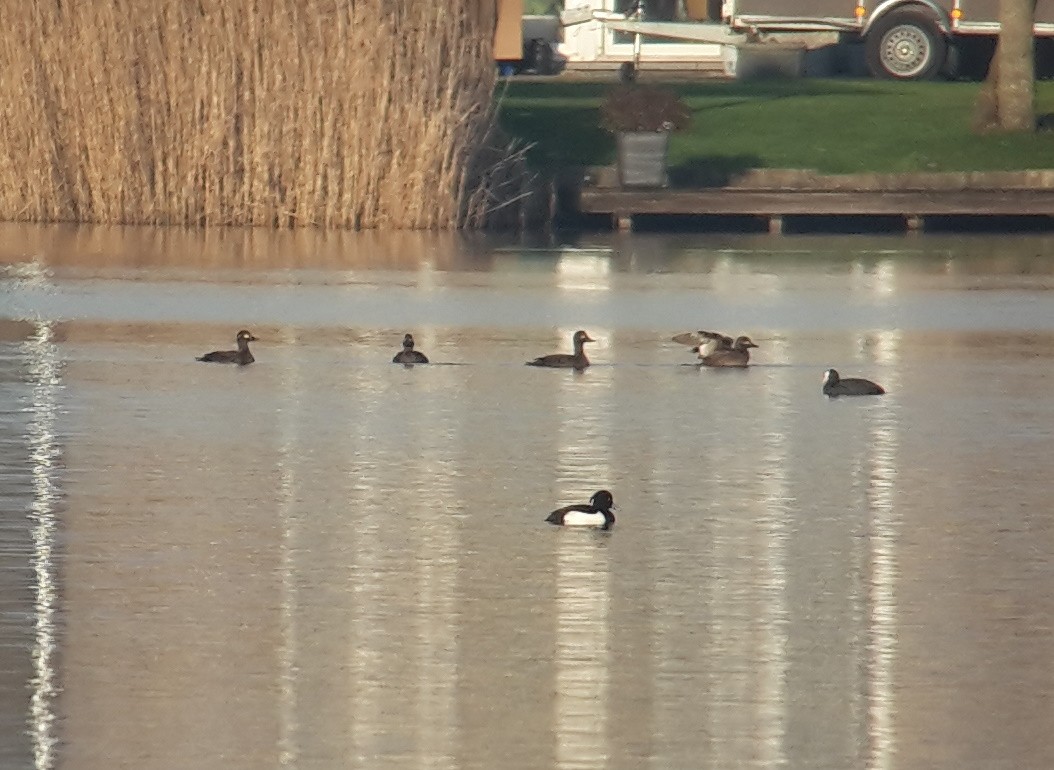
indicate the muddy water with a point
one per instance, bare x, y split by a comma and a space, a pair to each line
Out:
328, 560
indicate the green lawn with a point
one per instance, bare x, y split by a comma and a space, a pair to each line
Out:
832, 126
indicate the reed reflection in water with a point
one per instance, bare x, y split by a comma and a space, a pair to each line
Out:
324, 559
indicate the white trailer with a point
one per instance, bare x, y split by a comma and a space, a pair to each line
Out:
902, 39
594, 38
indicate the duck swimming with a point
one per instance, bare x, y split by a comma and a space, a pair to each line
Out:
241, 356
596, 513
716, 349
408, 355
576, 360
833, 385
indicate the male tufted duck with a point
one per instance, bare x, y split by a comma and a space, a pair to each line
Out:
833, 385
241, 356
408, 355
577, 360
596, 513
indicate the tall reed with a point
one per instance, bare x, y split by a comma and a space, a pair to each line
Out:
286, 113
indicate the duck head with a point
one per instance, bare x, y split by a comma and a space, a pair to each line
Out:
743, 342
602, 501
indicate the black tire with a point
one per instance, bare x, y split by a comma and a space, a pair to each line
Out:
906, 45
970, 56
1044, 58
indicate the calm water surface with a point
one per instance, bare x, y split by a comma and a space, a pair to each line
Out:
326, 560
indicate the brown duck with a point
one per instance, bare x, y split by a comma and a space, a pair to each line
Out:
716, 349
408, 355
576, 360
241, 356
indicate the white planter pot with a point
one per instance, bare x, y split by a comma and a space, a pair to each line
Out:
642, 158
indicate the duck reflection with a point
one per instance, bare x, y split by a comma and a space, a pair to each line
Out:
583, 583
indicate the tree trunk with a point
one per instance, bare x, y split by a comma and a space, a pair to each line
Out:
1006, 101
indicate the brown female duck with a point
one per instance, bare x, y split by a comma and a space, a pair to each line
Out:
241, 356
576, 360
408, 355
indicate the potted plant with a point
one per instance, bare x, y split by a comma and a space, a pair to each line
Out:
642, 117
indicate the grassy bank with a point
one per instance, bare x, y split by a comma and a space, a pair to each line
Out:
830, 126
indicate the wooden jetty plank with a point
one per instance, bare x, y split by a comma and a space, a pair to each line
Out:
731, 201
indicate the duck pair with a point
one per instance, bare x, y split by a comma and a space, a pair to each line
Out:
243, 357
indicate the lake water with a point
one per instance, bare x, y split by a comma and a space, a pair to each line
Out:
327, 560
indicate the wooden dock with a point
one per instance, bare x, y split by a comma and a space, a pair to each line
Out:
776, 196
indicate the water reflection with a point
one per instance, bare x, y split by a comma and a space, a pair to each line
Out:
583, 581
577, 270
582, 654
325, 559
775, 529
175, 251
881, 599
44, 453
289, 489
882, 262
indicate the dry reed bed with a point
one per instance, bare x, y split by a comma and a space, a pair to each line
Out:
346, 113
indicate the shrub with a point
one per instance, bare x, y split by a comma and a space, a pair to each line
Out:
643, 108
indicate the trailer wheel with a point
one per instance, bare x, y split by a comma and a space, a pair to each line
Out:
906, 45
